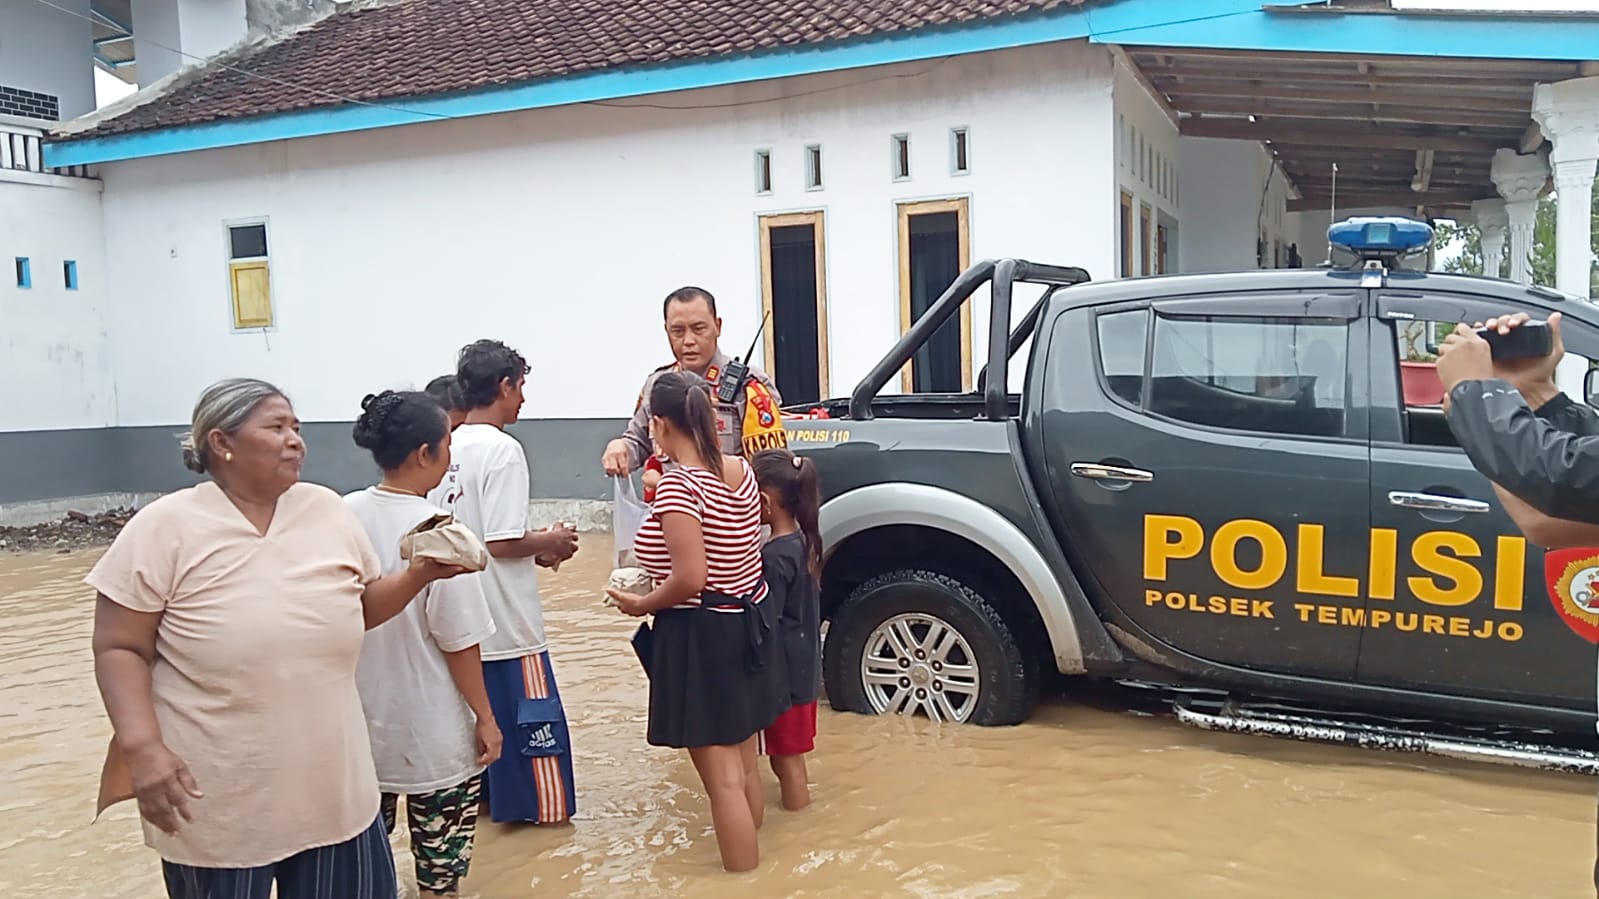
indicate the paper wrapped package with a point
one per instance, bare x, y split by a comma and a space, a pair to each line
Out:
443, 539
116, 781
628, 580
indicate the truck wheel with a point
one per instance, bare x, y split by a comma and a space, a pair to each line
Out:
917, 641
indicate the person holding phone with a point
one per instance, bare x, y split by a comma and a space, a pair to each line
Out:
1538, 446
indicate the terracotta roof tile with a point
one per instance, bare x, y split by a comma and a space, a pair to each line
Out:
416, 47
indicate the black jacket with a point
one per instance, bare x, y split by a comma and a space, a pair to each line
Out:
1549, 458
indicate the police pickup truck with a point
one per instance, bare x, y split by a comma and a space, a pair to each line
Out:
1237, 488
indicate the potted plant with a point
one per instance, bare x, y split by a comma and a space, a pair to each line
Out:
1418, 369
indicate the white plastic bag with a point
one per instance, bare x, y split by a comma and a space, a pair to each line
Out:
627, 516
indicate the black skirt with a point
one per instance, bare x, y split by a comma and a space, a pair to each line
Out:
711, 682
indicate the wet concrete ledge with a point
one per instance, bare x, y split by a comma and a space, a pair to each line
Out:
48, 473
587, 515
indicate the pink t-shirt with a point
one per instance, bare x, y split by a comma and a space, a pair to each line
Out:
254, 675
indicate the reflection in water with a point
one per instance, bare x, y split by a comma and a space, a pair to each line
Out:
1082, 801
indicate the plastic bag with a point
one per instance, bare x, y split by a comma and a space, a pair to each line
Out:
627, 516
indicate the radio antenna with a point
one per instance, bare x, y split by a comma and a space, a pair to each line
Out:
758, 332
1332, 207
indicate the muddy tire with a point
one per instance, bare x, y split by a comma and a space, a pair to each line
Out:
918, 642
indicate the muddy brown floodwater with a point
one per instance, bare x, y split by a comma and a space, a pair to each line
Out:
1085, 800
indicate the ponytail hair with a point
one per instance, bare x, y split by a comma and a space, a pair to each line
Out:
793, 478
684, 399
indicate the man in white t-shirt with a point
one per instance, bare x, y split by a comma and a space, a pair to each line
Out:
487, 490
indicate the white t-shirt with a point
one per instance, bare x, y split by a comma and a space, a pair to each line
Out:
422, 730
487, 490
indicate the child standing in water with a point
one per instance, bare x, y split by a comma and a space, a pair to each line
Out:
420, 675
790, 504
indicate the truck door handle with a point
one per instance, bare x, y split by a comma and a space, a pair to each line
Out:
1432, 502
1096, 471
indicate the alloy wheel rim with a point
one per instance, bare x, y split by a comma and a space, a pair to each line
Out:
916, 662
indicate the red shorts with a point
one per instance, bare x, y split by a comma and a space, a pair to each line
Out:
793, 733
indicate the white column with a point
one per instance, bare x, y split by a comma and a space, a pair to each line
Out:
1493, 224
1568, 114
1520, 180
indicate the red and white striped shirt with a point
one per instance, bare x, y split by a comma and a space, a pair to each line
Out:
731, 521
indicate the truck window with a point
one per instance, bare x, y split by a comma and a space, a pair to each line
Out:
1419, 388
1274, 375
1121, 353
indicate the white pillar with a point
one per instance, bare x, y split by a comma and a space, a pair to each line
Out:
1568, 114
1493, 224
1520, 180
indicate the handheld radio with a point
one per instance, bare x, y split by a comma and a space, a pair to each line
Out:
738, 370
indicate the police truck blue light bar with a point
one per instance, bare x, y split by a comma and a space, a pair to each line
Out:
1380, 235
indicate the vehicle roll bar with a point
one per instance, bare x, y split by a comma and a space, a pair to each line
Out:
1002, 342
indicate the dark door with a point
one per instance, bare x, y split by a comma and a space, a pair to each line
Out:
795, 324
1209, 474
1458, 603
933, 263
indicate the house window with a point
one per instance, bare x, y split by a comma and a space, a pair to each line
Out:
960, 151
249, 276
1124, 223
1145, 241
69, 274
24, 273
813, 167
763, 171
900, 148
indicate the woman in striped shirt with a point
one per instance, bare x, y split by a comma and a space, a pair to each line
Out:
715, 672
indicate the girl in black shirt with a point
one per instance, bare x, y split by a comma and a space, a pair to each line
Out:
790, 504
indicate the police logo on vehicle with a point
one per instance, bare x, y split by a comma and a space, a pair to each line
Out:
1572, 576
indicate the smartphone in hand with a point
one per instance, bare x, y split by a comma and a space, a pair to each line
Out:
1528, 341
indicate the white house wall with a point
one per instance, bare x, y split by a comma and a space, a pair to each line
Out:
1233, 189
560, 230
57, 359
47, 50
1147, 166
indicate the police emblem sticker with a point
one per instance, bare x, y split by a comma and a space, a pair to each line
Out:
1572, 576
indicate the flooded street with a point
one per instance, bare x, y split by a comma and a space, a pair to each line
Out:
1086, 800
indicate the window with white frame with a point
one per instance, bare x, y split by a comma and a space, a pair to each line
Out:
960, 151
900, 156
250, 275
763, 171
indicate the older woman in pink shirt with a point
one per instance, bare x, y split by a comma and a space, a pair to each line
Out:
228, 625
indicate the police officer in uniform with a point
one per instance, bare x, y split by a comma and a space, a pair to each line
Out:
750, 423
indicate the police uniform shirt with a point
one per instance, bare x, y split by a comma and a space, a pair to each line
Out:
729, 416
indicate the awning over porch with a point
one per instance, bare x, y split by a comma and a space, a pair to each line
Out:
1476, 137
1413, 131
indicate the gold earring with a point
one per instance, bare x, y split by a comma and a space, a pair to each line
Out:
227, 457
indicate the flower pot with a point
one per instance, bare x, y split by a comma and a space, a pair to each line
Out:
1420, 383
